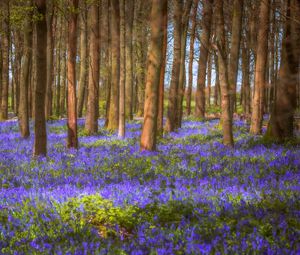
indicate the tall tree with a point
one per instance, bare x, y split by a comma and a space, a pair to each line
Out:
182, 74
91, 124
148, 138
226, 117
204, 51
23, 112
72, 141
191, 58
161, 89
82, 86
5, 58
121, 130
40, 134
50, 54
115, 65
280, 126
234, 51
129, 12
260, 68
174, 86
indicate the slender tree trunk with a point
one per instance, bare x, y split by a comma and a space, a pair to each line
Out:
58, 64
204, 51
121, 131
148, 138
161, 89
63, 87
280, 126
234, 51
209, 71
226, 117
182, 74
174, 86
83, 60
50, 49
72, 141
115, 66
260, 69
191, 58
5, 58
33, 74
217, 83
40, 134
25, 77
246, 79
91, 124
141, 47
129, 12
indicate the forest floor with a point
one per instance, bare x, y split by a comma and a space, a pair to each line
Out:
192, 196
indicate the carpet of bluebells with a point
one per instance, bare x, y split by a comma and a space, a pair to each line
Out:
192, 196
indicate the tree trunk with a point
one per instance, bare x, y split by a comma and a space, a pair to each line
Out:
234, 51
50, 51
161, 89
204, 51
280, 126
5, 59
72, 141
182, 74
260, 69
25, 77
115, 66
129, 12
121, 131
148, 138
209, 71
83, 60
58, 70
40, 134
91, 124
226, 117
246, 79
217, 83
191, 58
174, 86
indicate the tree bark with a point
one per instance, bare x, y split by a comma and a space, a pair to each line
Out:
115, 66
246, 102
83, 60
72, 140
129, 10
191, 58
50, 54
174, 86
40, 134
58, 68
204, 51
25, 77
5, 59
260, 69
91, 124
226, 117
234, 51
121, 130
148, 137
280, 126
209, 71
182, 74
161, 89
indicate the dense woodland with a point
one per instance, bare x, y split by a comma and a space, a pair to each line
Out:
149, 127
150, 59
